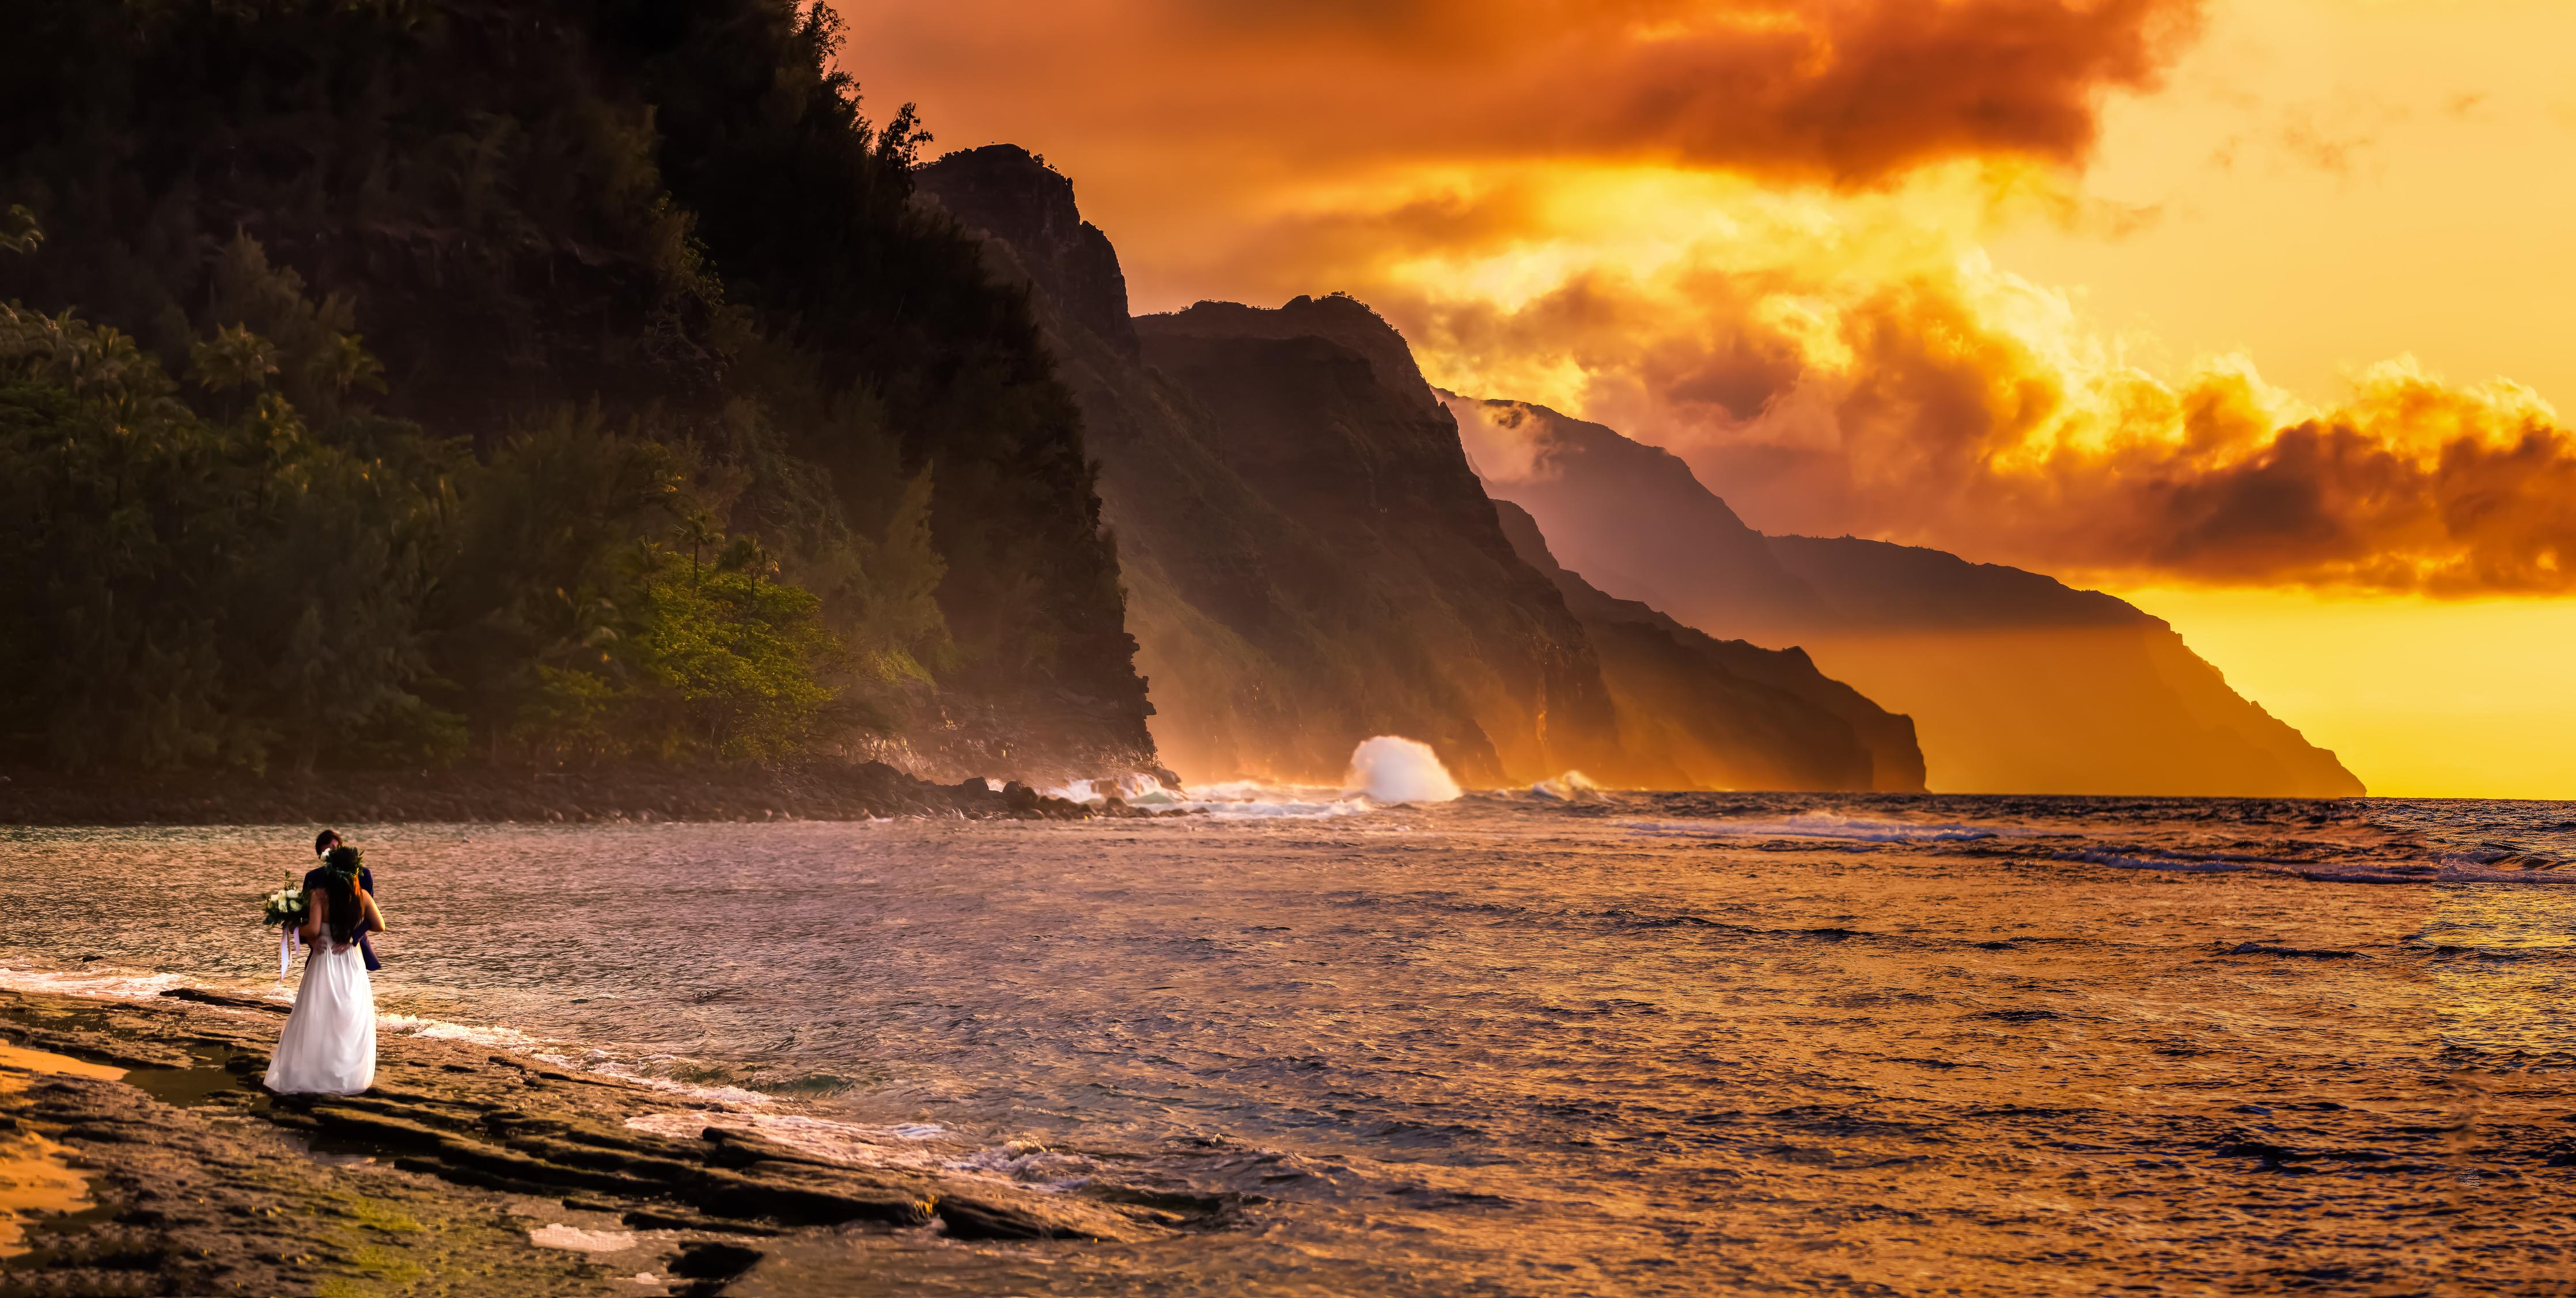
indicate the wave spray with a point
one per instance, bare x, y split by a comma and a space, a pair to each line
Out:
1390, 769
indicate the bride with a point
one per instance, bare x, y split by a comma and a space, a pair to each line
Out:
329, 1046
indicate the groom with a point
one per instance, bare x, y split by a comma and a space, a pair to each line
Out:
322, 845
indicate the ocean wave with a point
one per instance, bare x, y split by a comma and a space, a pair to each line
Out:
2156, 861
1136, 789
1818, 824
1256, 800
1573, 786
105, 984
124, 985
1233, 800
498, 1038
910, 1146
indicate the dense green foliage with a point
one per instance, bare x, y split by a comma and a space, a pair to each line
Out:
607, 396
213, 576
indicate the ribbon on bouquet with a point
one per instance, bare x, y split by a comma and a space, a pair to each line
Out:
286, 944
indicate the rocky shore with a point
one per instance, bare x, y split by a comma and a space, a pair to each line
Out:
808, 791
460, 1171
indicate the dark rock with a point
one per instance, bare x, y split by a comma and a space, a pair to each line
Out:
2266, 948
712, 1264
204, 997
2020, 1016
964, 1219
219, 1197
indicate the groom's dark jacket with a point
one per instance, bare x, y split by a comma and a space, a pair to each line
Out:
313, 881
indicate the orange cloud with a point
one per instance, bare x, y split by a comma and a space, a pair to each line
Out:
1748, 230
1916, 415
1851, 90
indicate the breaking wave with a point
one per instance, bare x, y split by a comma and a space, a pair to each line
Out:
1390, 769
1816, 824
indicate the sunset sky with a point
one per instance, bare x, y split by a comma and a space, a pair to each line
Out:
2252, 313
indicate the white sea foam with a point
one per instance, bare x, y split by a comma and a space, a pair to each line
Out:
603, 1064
1816, 824
1135, 788
1573, 786
1257, 800
907, 1146
106, 984
574, 1238
1391, 769
442, 1030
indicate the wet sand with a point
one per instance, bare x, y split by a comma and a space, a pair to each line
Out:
150, 1161
36, 1176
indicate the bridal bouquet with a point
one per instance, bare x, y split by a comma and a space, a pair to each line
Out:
284, 906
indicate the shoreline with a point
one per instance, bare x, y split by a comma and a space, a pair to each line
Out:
629, 794
458, 1161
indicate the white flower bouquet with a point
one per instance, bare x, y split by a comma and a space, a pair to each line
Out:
284, 906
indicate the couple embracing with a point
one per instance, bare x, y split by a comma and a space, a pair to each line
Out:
329, 1045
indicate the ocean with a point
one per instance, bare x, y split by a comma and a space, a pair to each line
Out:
1551, 1041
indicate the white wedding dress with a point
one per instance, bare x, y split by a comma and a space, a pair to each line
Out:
329, 1046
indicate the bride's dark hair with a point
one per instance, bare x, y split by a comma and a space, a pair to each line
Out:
340, 883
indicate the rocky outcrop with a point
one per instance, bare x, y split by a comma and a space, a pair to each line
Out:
2016, 683
1029, 207
457, 1163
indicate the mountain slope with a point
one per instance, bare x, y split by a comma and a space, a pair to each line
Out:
1374, 474
1721, 710
1631, 517
2021, 683
1309, 558
635, 281
2015, 682
1272, 644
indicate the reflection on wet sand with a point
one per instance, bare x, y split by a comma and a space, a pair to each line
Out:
35, 1179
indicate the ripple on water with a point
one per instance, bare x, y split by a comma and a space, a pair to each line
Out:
1624, 1044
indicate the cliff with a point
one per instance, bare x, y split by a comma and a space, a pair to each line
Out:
2016, 683
1310, 559
1724, 713
1268, 651
2021, 683
1373, 473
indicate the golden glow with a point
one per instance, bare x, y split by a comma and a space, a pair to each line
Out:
2420, 698
2078, 344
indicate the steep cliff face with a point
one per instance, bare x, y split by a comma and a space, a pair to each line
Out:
1271, 644
1309, 558
1369, 465
1724, 713
2022, 683
1029, 208
2015, 682
1630, 517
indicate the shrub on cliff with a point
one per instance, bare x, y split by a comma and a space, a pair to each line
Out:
197, 573
669, 220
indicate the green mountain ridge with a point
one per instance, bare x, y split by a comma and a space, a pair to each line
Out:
399, 381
